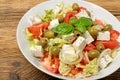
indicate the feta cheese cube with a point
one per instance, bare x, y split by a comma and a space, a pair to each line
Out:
68, 49
88, 37
53, 24
33, 20
102, 63
79, 44
103, 35
36, 51
108, 59
82, 13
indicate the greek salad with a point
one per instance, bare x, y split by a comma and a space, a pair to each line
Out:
69, 41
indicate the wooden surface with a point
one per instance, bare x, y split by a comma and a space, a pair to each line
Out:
13, 65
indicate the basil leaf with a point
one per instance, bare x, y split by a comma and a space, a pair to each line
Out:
63, 29
74, 21
80, 28
86, 21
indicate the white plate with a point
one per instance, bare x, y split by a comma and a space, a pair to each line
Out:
98, 12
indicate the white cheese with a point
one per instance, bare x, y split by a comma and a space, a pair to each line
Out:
108, 59
103, 35
33, 20
102, 63
53, 24
79, 44
82, 13
36, 51
88, 37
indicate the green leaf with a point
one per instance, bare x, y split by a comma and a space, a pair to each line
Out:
74, 21
85, 21
63, 29
80, 28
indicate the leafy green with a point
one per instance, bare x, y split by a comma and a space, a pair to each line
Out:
49, 15
85, 21
80, 28
91, 68
81, 24
63, 29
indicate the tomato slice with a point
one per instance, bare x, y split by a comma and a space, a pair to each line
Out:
84, 61
114, 34
81, 8
37, 29
48, 64
89, 47
99, 22
69, 15
108, 44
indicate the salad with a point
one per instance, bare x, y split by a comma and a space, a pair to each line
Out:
69, 41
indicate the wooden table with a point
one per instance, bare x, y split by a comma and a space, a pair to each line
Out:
13, 65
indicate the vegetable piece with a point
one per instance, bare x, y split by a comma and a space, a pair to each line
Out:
49, 15
91, 68
69, 15
49, 65
75, 6
81, 28
84, 61
98, 22
55, 50
60, 18
89, 47
81, 8
100, 47
49, 34
108, 44
107, 27
93, 54
114, 34
43, 42
63, 29
30, 36
74, 21
37, 29
87, 22
64, 69
83, 24
93, 32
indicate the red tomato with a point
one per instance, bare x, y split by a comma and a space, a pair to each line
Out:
75, 71
45, 55
48, 64
89, 47
84, 61
69, 15
99, 22
114, 34
37, 29
81, 8
108, 44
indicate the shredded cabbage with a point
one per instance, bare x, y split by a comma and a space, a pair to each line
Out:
64, 69
91, 68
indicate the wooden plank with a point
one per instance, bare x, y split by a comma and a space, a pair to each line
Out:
13, 65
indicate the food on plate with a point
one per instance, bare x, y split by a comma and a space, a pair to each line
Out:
69, 42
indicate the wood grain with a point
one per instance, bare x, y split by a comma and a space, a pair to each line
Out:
13, 65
